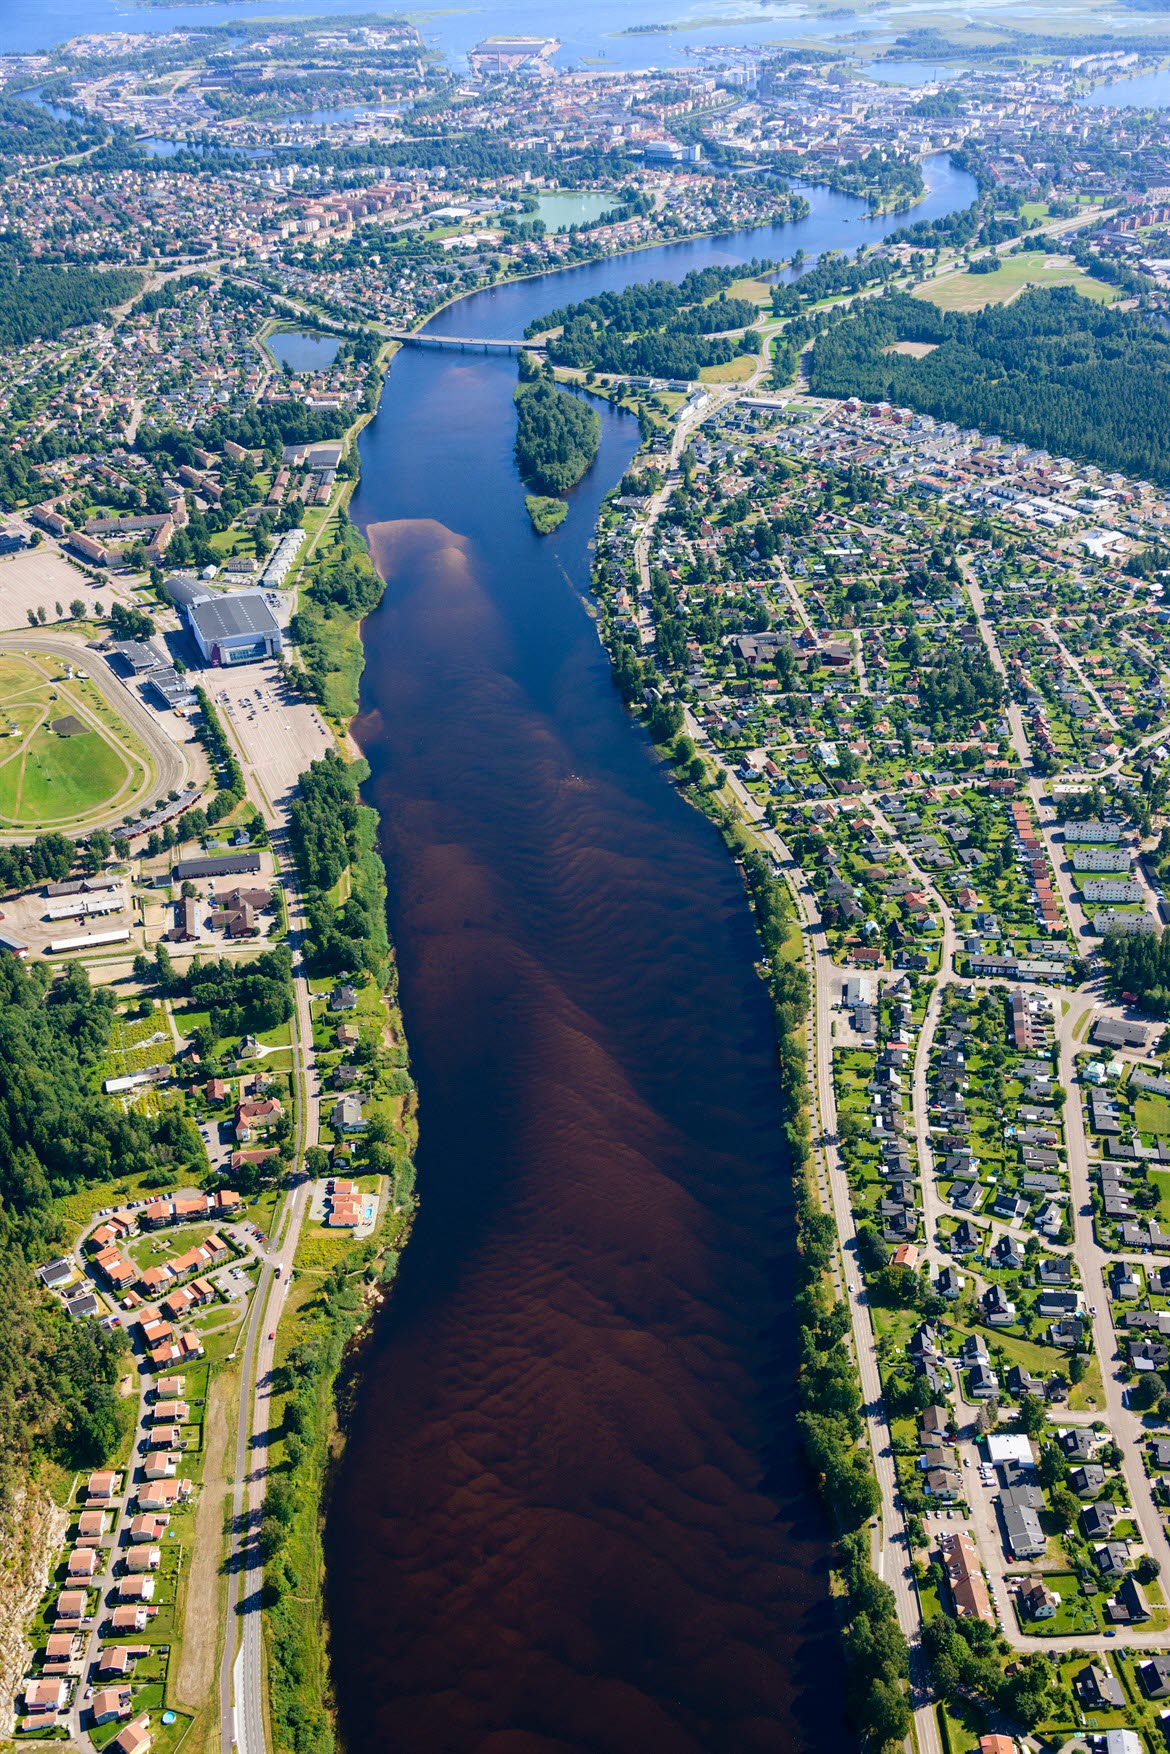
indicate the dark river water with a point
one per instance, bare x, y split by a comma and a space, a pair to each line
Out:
571, 1515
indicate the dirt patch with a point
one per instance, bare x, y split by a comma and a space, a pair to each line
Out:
69, 726
196, 1674
911, 349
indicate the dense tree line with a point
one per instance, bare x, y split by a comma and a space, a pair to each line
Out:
963, 1662
333, 831
557, 436
31, 132
656, 328
340, 588
324, 821
830, 1418
47, 860
229, 773
834, 278
1052, 369
240, 996
649, 304
292, 1502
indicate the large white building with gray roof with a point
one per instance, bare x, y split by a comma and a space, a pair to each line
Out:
236, 629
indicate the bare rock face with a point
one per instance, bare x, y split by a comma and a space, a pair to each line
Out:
32, 1530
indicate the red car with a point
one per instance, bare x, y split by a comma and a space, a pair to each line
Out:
272, 1336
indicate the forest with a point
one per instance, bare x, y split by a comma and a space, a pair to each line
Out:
655, 329
557, 435
1052, 369
40, 303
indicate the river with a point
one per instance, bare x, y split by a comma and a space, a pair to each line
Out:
571, 1513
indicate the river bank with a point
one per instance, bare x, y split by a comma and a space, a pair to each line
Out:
337, 1284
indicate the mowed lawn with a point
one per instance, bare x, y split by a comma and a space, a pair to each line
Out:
1151, 1114
53, 778
970, 292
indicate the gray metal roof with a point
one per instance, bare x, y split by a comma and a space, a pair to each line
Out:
182, 589
230, 617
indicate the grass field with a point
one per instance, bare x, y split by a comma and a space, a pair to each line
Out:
736, 371
49, 779
1151, 1114
970, 292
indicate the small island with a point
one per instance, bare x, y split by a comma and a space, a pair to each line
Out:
557, 434
547, 514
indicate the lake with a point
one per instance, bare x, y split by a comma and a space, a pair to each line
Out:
1145, 91
559, 212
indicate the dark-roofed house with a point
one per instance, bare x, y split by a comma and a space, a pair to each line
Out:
1099, 1690
1155, 1676
1097, 1520
240, 864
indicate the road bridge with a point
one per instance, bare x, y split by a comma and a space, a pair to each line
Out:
464, 343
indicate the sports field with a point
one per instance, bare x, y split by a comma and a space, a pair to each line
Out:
970, 292
66, 756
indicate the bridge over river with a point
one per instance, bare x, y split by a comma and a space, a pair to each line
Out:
463, 343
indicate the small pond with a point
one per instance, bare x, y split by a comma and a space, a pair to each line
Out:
304, 350
560, 211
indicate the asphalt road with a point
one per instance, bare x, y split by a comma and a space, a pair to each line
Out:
242, 1670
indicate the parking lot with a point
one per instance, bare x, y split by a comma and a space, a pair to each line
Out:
40, 578
278, 734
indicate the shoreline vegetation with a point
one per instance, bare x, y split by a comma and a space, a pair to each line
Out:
547, 514
337, 1284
